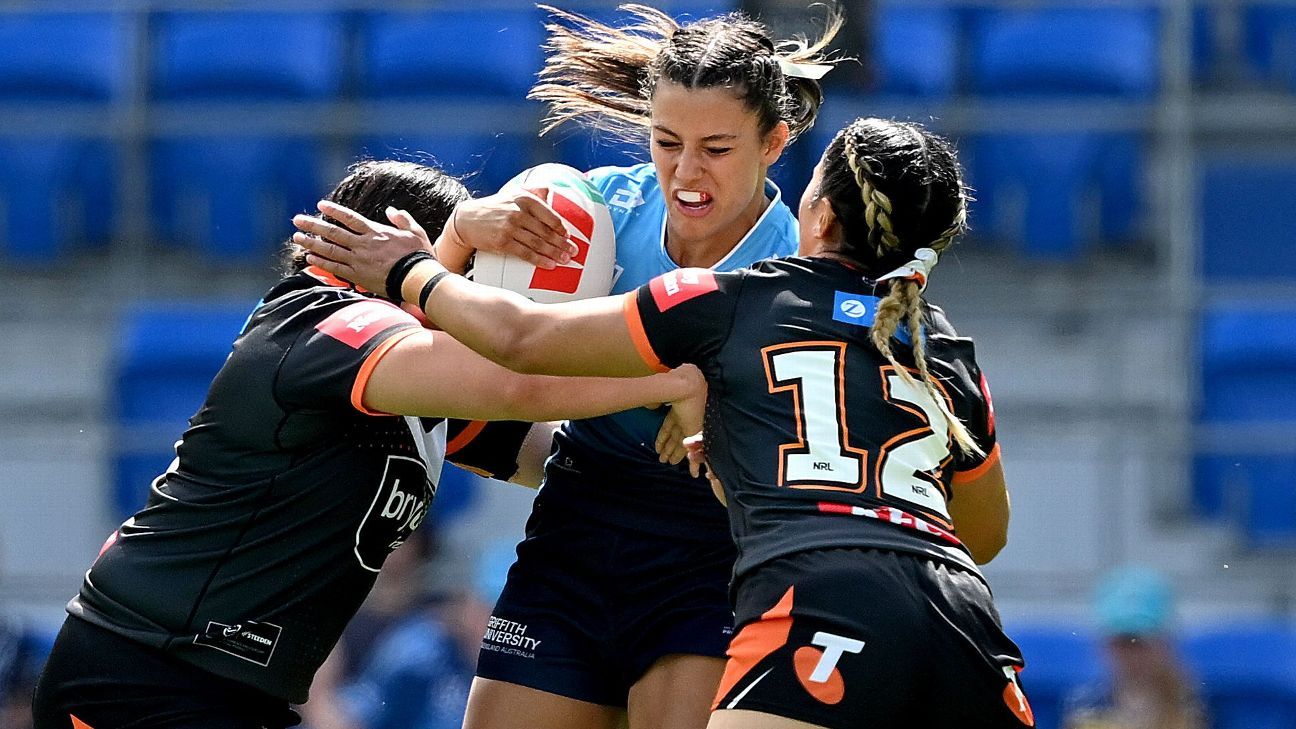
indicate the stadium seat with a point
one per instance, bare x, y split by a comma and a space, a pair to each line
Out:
65, 56
1055, 194
247, 55
918, 53
475, 54
1058, 661
1065, 51
167, 354
1241, 479
1270, 32
483, 161
232, 197
1242, 346
56, 195
56, 191
1248, 673
1247, 218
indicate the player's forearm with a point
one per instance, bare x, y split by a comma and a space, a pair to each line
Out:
491, 322
572, 398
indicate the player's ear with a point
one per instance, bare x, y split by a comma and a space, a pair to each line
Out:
775, 141
826, 225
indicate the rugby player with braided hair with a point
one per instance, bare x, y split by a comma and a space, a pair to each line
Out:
851, 429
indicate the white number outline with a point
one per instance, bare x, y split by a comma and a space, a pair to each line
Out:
912, 436
795, 386
801, 446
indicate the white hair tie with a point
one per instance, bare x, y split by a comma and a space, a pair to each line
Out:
918, 269
813, 71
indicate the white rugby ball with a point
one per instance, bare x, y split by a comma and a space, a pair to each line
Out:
582, 209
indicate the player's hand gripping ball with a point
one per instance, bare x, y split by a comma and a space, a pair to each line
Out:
589, 224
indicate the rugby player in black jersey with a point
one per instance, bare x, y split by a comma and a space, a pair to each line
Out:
851, 428
215, 604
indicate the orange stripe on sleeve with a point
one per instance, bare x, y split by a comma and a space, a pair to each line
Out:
78, 724
630, 305
466, 436
367, 368
966, 476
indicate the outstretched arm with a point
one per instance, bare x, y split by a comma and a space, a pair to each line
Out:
429, 373
590, 337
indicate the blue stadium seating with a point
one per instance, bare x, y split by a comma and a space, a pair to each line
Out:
57, 190
233, 196
65, 56
57, 194
474, 54
1034, 189
1271, 42
1065, 51
1057, 662
1248, 218
918, 52
1248, 378
483, 161
1242, 346
1031, 186
247, 55
1248, 673
167, 354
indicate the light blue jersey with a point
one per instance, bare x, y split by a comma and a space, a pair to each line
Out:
622, 443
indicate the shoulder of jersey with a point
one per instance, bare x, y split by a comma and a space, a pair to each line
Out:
635, 183
940, 323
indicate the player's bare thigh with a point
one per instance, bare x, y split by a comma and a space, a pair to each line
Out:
502, 705
676, 692
743, 719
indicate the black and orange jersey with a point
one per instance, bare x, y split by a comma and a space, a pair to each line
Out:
819, 441
266, 533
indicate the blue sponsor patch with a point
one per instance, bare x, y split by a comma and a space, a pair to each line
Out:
857, 309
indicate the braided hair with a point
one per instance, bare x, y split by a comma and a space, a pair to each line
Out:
895, 188
605, 76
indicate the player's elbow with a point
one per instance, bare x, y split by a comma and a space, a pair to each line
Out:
523, 346
985, 547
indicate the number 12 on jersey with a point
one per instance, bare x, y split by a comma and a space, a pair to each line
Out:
823, 457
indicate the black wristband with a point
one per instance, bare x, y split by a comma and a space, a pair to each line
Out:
396, 275
427, 288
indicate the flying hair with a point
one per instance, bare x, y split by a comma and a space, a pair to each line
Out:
604, 76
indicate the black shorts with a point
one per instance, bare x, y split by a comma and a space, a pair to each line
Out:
106, 681
864, 638
589, 607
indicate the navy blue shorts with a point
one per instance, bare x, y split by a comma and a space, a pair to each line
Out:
872, 639
590, 606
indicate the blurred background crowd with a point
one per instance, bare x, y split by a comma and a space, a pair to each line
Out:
1130, 280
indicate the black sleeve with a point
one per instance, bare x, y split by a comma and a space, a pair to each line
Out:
683, 316
976, 410
337, 342
486, 448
